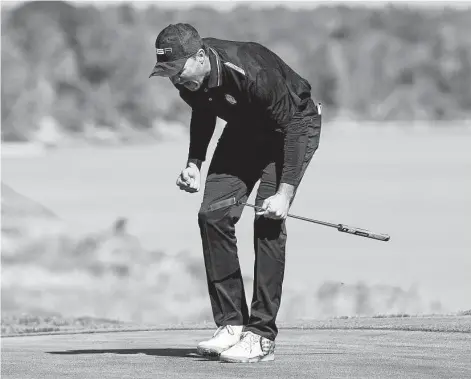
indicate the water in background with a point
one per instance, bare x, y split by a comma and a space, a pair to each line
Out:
410, 182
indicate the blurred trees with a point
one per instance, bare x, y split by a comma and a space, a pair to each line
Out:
89, 66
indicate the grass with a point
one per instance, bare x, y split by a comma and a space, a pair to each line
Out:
392, 315
29, 325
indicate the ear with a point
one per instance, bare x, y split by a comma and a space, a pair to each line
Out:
200, 56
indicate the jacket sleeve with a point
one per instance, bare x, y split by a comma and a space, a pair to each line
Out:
202, 126
280, 105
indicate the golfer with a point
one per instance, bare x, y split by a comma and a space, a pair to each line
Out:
272, 131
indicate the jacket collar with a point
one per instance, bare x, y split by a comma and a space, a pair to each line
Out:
215, 76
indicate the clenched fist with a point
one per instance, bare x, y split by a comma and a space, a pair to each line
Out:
189, 179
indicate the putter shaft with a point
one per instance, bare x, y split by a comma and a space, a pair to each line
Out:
339, 227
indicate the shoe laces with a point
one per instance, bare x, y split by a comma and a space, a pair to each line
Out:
227, 328
248, 340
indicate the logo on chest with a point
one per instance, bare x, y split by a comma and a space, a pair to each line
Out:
230, 99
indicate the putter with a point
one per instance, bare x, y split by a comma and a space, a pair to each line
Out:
340, 227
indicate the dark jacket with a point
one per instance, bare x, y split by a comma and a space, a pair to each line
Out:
253, 88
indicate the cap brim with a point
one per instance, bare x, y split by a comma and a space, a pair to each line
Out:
168, 69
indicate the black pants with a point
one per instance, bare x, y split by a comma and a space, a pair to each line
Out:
239, 161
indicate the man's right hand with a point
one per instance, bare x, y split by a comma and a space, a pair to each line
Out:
189, 179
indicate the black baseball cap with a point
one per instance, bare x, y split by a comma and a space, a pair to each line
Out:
174, 45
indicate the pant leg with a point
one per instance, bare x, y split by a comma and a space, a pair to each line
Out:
232, 173
270, 242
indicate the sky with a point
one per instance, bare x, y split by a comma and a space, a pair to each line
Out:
228, 5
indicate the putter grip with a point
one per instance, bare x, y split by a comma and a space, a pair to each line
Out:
362, 232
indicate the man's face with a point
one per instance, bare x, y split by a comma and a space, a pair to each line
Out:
192, 74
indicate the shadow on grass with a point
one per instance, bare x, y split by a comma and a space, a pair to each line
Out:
167, 352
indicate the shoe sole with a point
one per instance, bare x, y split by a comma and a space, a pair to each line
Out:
204, 352
266, 358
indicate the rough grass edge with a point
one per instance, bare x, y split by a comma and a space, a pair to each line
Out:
450, 323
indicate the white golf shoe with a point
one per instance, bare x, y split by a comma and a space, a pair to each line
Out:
250, 349
224, 337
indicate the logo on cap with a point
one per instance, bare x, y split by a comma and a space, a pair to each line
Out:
164, 51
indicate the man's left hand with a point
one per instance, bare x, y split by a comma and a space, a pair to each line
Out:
275, 207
